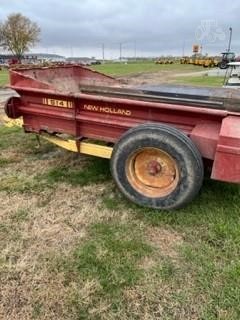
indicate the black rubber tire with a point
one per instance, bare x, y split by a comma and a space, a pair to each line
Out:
223, 65
177, 145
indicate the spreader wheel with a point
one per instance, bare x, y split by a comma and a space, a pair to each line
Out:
157, 166
152, 172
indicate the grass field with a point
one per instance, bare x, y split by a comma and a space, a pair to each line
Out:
121, 69
3, 77
175, 70
212, 81
71, 247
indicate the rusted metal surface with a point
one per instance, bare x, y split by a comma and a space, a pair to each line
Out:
65, 79
152, 172
84, 103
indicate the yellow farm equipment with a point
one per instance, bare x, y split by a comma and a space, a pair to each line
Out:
185, 60
164, 61
211, 62
206, 62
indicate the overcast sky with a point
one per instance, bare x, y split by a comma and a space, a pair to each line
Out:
155, 27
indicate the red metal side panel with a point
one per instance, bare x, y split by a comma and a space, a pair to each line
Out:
226, 166
86, 75
39, 116
62, 78
107, 119
205, 135
21, 80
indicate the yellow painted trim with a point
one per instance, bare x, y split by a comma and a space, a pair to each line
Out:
96, 150
84, 147
65, 144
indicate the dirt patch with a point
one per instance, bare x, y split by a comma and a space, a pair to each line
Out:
156, 78
148, 78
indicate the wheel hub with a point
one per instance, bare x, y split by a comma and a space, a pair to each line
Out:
154, 167
153, 172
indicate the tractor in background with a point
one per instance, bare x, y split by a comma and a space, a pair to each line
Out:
226, 58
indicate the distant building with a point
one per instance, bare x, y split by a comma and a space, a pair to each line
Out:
32, 58
82, 60
50, 57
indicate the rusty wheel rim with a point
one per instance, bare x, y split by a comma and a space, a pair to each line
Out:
152, 172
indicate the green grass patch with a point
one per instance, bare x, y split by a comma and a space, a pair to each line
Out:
22, 184
111, 257
209, 81
96, 171
167, 270
209, 254
20, 215
4, 77
217, 277
122, 69
5, 161
37, 309
112, 199
22, 146
217, 202
110, 202
16, 139
8, 136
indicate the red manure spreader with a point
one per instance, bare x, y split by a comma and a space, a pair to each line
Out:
158, 138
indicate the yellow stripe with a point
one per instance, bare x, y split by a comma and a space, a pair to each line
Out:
84, 147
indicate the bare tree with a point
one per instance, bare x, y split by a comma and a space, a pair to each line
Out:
18, 33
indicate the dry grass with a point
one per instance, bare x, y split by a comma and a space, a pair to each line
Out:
35, 229
166, 241
37, 223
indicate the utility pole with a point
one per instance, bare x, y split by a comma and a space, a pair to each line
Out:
183, 48
230, 39
120, 48
135, 50
103, 52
